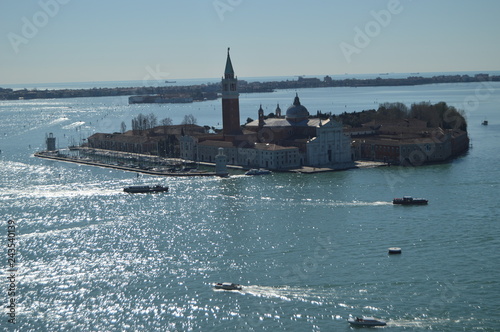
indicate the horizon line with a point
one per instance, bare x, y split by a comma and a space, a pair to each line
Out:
249, 77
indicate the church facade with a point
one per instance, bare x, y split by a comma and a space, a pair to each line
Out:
278, 143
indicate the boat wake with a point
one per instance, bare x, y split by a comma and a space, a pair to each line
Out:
73, 125
414, 323
377, 203
58, 120
39, 193
84, 225
353, 203
285, 293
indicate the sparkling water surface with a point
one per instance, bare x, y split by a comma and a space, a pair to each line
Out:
310, 250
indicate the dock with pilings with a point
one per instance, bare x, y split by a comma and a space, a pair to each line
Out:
58, 157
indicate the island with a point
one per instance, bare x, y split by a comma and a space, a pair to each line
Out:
295, 140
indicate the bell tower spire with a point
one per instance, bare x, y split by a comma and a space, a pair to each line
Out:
229, 71
230, 100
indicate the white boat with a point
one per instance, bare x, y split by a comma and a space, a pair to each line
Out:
259, 171
394, 250
366, 321
227, 286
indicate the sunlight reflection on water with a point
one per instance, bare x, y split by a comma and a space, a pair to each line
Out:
310, 250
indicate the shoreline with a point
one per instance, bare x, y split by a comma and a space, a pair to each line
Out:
304, 170
210, 91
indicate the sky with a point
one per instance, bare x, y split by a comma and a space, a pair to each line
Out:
52, 41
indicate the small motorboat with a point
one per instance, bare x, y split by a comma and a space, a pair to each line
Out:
366, 321
484, 123
257, 171
408, 200
145, 189
227, 286
394, 250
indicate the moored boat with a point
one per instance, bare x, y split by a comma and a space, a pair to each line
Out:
408, 200
227, 286
366, 321
255, 171
145, 189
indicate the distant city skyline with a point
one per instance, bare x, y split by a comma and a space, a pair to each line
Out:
53, 41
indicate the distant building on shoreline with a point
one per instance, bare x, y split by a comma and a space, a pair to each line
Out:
407, 142
161, 141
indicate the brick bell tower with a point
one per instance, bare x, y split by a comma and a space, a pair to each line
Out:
230, 101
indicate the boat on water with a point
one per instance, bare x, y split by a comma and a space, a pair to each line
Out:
257, 171
394, 250
484, 123
366, 321
145, 189
408, 200
227, 286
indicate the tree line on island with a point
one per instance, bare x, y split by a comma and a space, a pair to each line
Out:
435, 115
150, 121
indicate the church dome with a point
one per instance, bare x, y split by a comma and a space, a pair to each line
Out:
296, 112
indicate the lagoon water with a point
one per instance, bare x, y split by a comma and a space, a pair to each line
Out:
311, 250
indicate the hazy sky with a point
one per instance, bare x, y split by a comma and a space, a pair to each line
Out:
49, 41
